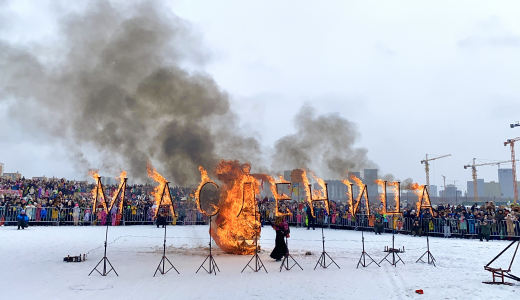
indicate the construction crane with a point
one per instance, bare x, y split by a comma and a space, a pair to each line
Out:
512, 143
427, 167
474, 173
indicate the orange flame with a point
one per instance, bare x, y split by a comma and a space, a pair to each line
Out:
278, 197
349, 194
160, 192
361, 186
382, 196
97, 193
418, 190
122, 188
321, 194
395, 190
307, 188
236, 226
204, 178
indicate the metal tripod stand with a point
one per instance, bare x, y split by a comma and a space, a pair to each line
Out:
213, 268
363, 259
258, 262
394, 253
285, 261
104, 260
323, 257
431, 259
164, 259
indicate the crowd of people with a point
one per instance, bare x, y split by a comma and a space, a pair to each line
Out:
440, 220
70, 203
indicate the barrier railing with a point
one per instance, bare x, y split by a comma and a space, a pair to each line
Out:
84, 217
441, 227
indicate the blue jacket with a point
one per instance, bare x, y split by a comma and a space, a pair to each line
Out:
22, 218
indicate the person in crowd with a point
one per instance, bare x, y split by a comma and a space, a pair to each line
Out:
416, 228
161, 220
75, 214
485, 231
510, 225
22, 220
310, 218
282, 232
378, 223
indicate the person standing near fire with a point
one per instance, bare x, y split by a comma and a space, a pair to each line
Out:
310, 218
282, 231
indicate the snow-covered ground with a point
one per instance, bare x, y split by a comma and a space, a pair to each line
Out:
32, 266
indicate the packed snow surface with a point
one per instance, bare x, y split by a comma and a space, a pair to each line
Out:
33, 266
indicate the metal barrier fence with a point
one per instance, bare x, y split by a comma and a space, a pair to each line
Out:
133, 216
84, 217
433, 226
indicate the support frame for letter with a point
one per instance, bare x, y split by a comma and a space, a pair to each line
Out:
429, 255
162, 263
213, 268
363, 259
285, 261
212, 265
104, 260
258, 264
322, 260
394, 254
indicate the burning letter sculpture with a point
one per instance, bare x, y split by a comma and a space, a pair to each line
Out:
234, 225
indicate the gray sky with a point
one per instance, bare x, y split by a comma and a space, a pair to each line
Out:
437, 77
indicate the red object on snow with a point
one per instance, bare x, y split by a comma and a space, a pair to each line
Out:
419, 292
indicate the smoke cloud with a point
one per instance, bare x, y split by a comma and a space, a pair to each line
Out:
323, 143
117, 84
119, 88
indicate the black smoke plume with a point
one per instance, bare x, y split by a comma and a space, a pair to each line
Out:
323, 143
119, 87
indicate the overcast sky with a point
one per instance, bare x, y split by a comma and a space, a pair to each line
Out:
436, 77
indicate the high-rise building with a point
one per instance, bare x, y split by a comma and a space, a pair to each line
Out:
1, 169
109, 180
452, 191
433, 191
492, 189
480, 188
505, 177
369, 178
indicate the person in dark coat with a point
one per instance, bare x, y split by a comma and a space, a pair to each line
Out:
23, 220
161, 220
378, 224
485, 231
282, 231
310, 218
416, 228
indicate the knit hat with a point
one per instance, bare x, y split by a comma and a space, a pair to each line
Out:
23, 210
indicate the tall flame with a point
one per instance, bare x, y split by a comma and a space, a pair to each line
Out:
349, 194
382, 196
120, 191
395, 190
277, 196
362, 190
161, 192
235, 227
307, 188
321, 194
204, 178
418, 190
97, 193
